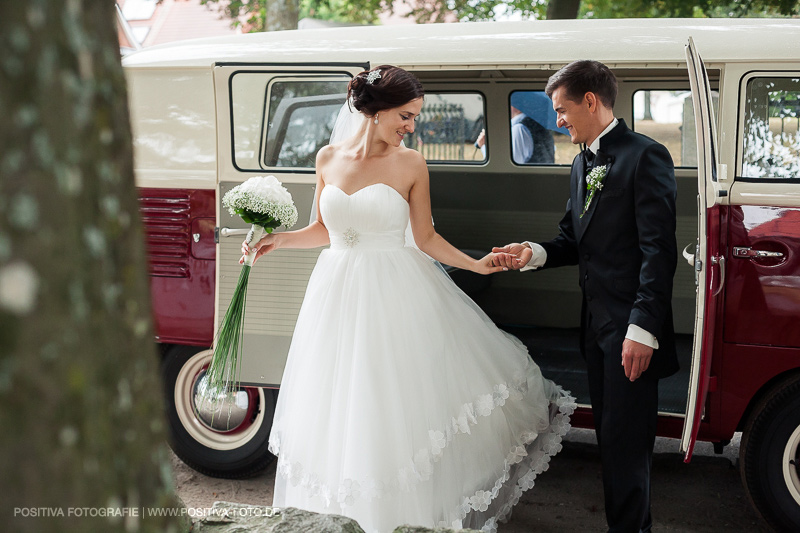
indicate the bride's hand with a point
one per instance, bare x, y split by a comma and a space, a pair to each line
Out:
521, 254
266, 245
494, 262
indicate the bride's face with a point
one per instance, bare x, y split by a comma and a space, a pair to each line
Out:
395, 123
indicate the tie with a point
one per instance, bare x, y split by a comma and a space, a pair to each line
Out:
589, 156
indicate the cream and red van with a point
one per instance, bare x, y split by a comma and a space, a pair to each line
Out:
208, 114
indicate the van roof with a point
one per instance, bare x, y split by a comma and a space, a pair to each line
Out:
545, 43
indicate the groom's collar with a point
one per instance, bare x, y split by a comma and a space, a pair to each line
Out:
595, 146
613, 136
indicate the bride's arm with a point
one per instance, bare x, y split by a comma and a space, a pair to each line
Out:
312, 236
425, 235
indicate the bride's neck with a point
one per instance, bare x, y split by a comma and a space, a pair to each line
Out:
367, 143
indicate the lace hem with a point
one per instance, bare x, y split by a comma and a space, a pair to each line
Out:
420, 468
549, 444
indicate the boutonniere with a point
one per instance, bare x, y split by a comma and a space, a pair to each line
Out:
594, 182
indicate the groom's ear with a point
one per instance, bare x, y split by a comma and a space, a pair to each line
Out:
591, 101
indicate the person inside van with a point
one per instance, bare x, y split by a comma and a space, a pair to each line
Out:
530, 141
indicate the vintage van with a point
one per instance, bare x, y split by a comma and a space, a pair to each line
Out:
208, 114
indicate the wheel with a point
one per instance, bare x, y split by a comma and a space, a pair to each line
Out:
230, 446
770, 456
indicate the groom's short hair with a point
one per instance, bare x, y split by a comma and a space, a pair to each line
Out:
585, 76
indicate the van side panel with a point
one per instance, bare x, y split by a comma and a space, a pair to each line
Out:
174, 127
174, 131
744, 370
763, 294
181, 252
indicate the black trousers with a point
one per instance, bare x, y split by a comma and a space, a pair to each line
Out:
625, 416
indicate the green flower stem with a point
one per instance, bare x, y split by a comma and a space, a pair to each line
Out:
224, 371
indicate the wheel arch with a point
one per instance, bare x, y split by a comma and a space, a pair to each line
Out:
776, 382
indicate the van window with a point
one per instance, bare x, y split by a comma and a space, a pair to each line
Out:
535, 138
283, 121
668, 117
771, 123
300, 120
448, 126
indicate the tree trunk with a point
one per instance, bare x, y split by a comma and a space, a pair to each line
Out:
80, 397
282, 15
562, 9
648, 111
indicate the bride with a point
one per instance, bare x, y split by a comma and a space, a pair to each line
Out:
401, 402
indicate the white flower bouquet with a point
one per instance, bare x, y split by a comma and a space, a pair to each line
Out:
263, 202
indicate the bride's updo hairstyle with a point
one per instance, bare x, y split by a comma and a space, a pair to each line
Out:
371, 91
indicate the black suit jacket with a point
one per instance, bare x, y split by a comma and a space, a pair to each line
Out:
625, 243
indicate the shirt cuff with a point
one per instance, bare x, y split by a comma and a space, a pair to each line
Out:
539, 256
642, 336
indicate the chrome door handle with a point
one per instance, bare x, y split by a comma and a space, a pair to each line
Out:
228, 232
740, 251
686, 255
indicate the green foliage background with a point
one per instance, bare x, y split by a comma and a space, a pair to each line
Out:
266, 15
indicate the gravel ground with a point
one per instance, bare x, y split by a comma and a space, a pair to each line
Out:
702, 497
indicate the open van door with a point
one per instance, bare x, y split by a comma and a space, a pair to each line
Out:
272, 118
709, 265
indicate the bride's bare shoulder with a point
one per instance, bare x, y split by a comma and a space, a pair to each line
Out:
326, 153
412, 158
409, 155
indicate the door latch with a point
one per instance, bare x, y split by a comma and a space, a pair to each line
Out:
747, 252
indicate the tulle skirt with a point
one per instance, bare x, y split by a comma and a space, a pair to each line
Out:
402, 403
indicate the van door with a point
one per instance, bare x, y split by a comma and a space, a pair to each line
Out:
271, 119
708, 263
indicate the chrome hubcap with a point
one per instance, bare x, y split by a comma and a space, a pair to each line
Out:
225, 411
791, 461
231, 423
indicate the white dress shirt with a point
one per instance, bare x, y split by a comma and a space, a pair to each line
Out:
635, 333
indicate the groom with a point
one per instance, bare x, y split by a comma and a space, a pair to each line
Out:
620, 229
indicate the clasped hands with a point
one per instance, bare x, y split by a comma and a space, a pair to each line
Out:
509, 257
512, 256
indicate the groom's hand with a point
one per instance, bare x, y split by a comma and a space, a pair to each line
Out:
519, 256
635, 358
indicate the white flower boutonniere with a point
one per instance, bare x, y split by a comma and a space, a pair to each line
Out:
594, 182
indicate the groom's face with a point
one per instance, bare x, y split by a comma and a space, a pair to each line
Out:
576, 116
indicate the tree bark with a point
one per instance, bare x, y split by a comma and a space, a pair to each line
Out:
648, 110
562, 9
282, 15
80, 398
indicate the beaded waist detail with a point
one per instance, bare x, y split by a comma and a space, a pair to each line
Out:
353, 239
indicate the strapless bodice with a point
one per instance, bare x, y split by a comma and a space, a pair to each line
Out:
374, 217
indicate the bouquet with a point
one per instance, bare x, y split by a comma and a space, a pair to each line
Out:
265, 204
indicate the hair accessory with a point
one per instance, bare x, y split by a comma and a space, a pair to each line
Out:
376, 118
372, 76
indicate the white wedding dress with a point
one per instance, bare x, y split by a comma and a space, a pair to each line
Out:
401, 402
